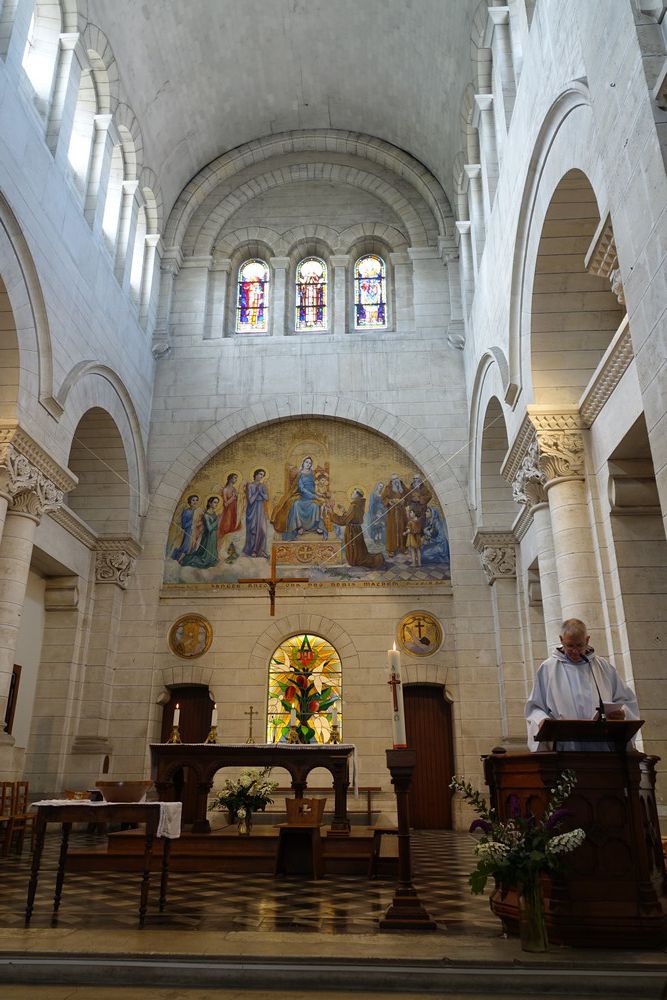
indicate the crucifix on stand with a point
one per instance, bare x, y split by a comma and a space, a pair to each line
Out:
250, 713
273, 581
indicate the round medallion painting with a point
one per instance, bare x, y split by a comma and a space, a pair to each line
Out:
190, 636
420, 633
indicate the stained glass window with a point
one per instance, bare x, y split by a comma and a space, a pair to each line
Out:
252, 300
305, 690
370, 293
311, 294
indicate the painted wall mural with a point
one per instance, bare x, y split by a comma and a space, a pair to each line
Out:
334, 501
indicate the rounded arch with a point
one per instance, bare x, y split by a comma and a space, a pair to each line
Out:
300, 236
566, 140
352, 144
489, 385
90, 385
392, 238
98, 459
233, 242
131, 141
186, 673
150, 189
103, 67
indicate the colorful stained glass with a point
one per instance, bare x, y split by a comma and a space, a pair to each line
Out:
311, 294
304, 676
370, 293
252, 301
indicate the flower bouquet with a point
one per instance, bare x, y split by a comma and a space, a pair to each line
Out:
242, 796
516, 851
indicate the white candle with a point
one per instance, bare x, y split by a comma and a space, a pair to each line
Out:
292, 717
177, 714
397, 709
214, 716
334, 716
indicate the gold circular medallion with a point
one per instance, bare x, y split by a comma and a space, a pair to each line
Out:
420, 634
190, 636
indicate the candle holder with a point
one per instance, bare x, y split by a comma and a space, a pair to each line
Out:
212, 735
335, 735
175, 735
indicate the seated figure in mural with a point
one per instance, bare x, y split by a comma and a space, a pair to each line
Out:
435, 544
229, 518
376, 517
354, 542
299, 510
205, 554
191, 515
256, 520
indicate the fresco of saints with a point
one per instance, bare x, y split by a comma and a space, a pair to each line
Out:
393, 498
354, 543
190, 516
229, 519
256, 520
205, 554
419, 497
299, 510
377, 515
435, 545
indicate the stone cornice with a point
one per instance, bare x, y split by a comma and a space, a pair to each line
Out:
615, 362
74, 526
516, 454
602, 258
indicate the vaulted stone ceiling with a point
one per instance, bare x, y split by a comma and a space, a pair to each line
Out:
204, 76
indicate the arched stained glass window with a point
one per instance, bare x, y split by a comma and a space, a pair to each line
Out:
370, 293
304, 690
311, 294
252, 299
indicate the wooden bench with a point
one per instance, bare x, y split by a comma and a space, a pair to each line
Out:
368, 790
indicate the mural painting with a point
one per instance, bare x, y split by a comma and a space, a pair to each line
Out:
337, 503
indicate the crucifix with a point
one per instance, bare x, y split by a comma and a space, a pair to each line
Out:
250, 713
273, 581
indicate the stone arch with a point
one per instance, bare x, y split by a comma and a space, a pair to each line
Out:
566, 140
90, 385
186, 673
413, 671
352, 144
97, 458
200, 243
29, 321
301, 235
232, 242
489, 384
103, 67
497, 508
150, 189
392, 237
131, 141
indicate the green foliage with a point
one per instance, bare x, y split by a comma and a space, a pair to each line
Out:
250, 792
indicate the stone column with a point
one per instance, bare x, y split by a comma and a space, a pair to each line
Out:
127, 225
529, 488
115, 559
169, 268
503, 67
216, 300
488, 148
98, 160
404, 320
31, 495
279, 322
476, 207
497, 551
466, 268
71, 58
449, 252
146, 296
561, 459
340, 264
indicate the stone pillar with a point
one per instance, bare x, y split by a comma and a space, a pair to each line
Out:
430, 289
466, 268
561, 459
476, 207
497, 551
403, 295
216, 300
146, 296
127, 225
449, 252
98, 171
169, 268
504, 79
115, 559
71, 59
488, 149
31, 495
529, 488
340, 264
280, 323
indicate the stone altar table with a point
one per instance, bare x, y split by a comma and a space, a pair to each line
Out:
205, 759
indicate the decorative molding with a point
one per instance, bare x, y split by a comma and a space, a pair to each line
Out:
13, 435
172, 260
61, 593
602, 258
31, 492
561, 455
516, 454
74, 526
528, 486
160, 348
456, 336
616, 360
115, 559
497, 552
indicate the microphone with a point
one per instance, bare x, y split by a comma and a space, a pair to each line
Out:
601, 712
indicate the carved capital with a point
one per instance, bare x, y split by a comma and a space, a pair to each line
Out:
115, 559
161, 349
602, 258
30, 491
497, 552
561, 455
529, 482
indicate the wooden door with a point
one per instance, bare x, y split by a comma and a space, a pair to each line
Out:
194, 725
428, 722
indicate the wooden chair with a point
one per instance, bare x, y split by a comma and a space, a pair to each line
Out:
6, 805
20, 820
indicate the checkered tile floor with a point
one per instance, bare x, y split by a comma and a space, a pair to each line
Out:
225, 902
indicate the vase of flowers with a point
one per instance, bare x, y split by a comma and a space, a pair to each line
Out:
516, 852
251, 791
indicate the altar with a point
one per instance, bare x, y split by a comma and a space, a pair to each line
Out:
205, 759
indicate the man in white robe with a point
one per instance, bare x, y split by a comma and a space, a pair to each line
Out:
572, 683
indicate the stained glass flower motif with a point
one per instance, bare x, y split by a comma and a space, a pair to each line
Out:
311, 294
304, 677
370, 293
252, 300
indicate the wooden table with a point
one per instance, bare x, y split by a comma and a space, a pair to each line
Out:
205, 759
67, 813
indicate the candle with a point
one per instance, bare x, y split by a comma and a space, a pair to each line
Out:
334, 716
398, 712
177, 714
292, 717
214, 716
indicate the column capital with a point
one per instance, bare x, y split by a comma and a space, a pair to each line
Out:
484, 102
340, 260
497, 553
529, 484
221, 264
172, 260
115, 559
602, 258
279, 263
472, 170
499, 15
400, 257
31, 492
560, 442
203, 261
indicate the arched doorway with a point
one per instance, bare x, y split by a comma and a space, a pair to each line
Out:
428, 721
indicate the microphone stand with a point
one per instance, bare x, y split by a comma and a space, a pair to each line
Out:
602, 717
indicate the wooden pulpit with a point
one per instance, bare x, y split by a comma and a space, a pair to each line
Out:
613, 890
